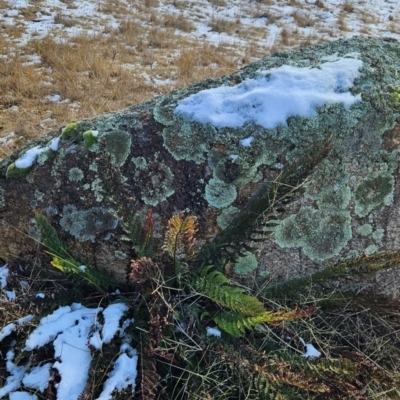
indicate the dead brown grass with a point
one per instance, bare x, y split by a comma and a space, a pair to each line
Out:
302, 20
348, 7
177, 22
218, 24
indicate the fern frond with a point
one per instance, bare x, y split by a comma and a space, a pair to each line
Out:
214, 284
50, 238
180, 236
236, 324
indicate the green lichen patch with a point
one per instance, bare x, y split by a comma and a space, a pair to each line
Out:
183, 145
14, 172
75, 174
87, 225
328, 186
155, 180
220, 194
118, 146
320, 234
74, 130
365, 230
89, 139
43, 157
396, 97
373, 248
372, 191
378, 235
245, 265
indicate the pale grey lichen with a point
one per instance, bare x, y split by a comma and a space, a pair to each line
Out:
220, 194
118, 146
34, 231
93, 167
75, 174
245, 265
87, 225
155, 180
97, 189
227, 216
51, 211
365, 230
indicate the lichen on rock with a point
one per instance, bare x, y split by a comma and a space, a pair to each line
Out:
118, 146
245, 265
89, 224
220, 194
319, 233
375, 189
155, 180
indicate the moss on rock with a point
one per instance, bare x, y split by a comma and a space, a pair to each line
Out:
89, 138
13, 172
74, 130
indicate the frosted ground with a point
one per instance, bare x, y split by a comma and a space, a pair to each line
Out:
238, 31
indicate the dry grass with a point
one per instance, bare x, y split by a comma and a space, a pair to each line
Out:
302, 20
219, 24
348, 7
177, 22
123, 66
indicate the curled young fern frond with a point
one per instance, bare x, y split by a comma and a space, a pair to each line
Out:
180, 236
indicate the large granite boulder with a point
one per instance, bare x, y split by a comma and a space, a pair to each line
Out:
300, 148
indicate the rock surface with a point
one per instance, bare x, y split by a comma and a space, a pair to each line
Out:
344, 161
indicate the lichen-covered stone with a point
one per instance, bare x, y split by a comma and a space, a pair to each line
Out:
320, 234
148, 157
74, 130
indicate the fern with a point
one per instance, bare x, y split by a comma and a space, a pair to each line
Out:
50, 238
246, 311
180, 237
140, 235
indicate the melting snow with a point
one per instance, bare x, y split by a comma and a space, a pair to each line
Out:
70, 328
275, 95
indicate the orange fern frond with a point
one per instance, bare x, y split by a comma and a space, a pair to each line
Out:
180, 236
